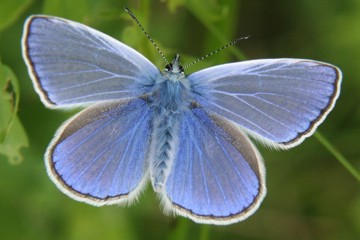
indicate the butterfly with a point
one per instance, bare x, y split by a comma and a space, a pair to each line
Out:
186, 134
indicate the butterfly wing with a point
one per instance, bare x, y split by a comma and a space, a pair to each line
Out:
218, 176
99, 156
72, 64
278, 101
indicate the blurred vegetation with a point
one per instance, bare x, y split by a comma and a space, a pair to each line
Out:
310, 194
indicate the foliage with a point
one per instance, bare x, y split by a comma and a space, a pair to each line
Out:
12, 134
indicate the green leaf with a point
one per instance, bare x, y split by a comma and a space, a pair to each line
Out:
12, 134
14, 142
10, 11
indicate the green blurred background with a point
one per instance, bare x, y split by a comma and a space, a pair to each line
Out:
310, 194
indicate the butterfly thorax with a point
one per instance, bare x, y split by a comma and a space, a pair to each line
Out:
170, 100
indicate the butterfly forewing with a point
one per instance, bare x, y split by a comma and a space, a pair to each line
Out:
279, 101
71, 64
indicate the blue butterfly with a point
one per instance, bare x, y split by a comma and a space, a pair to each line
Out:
187, 134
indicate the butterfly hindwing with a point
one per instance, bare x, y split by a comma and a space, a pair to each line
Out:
279, 101
72, 64
100, 155
217, 176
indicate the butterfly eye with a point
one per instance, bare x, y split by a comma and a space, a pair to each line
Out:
169, 67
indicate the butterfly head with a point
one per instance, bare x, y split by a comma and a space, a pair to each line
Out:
175, 66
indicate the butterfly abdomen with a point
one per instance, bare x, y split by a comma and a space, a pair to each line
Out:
164, 146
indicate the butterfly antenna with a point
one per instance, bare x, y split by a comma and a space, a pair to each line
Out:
216, 51
147, 35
